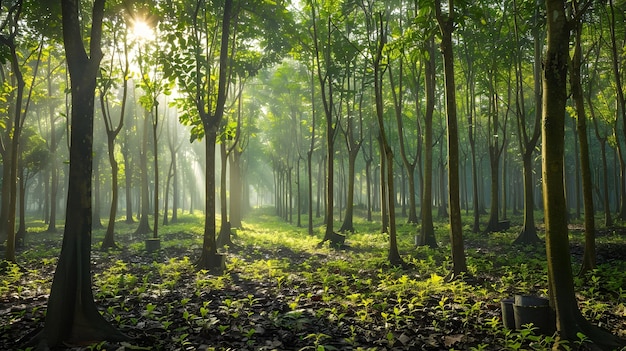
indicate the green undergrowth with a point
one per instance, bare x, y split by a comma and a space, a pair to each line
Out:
281, 290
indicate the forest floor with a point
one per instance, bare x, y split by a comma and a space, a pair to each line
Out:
280, 291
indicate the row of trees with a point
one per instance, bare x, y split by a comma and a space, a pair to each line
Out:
367, 69
327, 94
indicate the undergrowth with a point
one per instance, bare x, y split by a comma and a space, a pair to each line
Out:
283, 291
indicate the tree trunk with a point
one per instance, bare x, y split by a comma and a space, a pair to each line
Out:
569, 319
224, 236
209, 246
72, 317
155, 154
166, 198
384, 203
20, 235
109, 237
528, 233
348, 224
16, 130
387, 183
96, 219
408, 165
494, 208
427, 232
175, 189
589, 256
236, 189
446, 25
54, 171
608, 220
128, 183
211, 125
144, 224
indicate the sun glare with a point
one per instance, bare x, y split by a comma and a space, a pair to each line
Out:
142, 30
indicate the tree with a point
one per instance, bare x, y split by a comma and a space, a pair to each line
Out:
427, 231
112, 129
569, 319
353, 135
528, 139
326, 75
173, 145
621, 102
72, 317
398, 91
589, 255
201, 49
154, 84
446, 26
602, 137
10, 148
33, 157
55, 135
378, 27
496, 129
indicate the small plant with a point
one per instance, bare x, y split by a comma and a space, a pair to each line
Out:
317, 342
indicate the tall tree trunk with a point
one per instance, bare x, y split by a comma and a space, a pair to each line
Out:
236, 189
608, 220
96, 215
144, 224
155, 154
16, 130
175, 189
528, 232
589, 256
166, 198
109, 237
348, 224
427, 232
368, 187
209, 246
409, 165
387, 181
446, 26
569, 319
20, 235
54, 171
384, 203
72, 317
621, 100
211, 125
224, 235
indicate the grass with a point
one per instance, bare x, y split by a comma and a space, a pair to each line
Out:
281, 290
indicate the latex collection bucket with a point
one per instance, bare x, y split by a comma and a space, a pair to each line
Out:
536, 310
